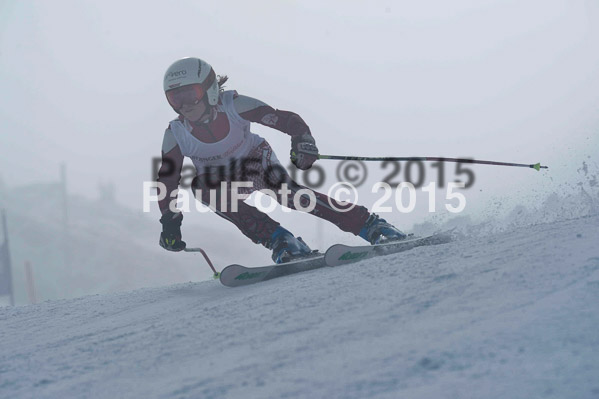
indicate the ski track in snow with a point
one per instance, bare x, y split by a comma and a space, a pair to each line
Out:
511, 315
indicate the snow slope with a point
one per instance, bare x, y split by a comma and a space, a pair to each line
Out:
506, 315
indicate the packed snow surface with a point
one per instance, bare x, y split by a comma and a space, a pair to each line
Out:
503, 315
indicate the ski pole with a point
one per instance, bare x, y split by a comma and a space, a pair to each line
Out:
536, 166
216, 274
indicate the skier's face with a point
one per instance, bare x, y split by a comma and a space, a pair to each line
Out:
195, 112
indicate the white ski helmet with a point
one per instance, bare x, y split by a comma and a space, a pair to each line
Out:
189, 71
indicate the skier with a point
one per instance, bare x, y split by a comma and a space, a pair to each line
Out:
213, 128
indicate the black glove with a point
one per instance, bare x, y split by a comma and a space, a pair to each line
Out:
170, 238
303, 151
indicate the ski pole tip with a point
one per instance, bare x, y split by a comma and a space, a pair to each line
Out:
216, 276
538, 166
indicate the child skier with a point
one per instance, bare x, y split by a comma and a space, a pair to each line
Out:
213, 128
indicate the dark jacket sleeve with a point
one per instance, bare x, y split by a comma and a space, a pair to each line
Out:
169, 173
256, 111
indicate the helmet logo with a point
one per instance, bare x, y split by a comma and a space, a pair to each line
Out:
176, 74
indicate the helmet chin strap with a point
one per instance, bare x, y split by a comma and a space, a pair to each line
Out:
211, 112
210, 109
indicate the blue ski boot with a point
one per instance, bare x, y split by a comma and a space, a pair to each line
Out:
286, 247
377, 231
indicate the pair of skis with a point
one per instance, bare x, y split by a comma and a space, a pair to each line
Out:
338, 254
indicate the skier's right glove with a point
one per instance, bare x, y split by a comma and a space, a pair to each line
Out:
170, 238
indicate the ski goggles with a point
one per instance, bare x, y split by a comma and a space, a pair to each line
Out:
190, 95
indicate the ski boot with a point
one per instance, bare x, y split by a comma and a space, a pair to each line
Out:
285, 247
377, 231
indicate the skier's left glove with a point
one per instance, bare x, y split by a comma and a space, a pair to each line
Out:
170, 238
303, 151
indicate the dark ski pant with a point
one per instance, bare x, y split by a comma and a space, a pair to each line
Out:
265, 172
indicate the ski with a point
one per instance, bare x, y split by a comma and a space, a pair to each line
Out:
237, 275
340, 254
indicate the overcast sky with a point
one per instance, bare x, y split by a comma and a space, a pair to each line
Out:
512, 81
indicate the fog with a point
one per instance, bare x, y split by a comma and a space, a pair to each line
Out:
513, 81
